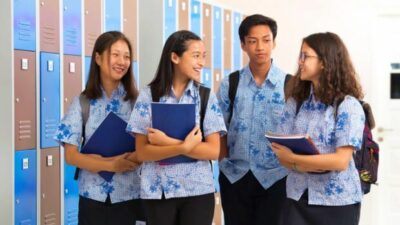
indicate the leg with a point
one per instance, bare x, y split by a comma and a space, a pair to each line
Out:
197, 210
162, 211
91, 212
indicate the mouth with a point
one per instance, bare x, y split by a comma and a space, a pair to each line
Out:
119, 69
198, 70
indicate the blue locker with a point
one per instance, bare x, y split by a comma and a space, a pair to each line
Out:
25, 25
195, 17
136, 73
49, 98
72, 27
170, 18
217, 37
112, 14
237, 51
206, 77
87, 67
71, 196
227, 72
25, 187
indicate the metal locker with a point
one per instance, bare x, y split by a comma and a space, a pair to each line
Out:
25, 99
112, 14
71, 196
72, 79
183, 10
217, 77
25, 187
227, 72
227, 40
130, 24
237, 59
72, 27
50, 201
169, 18
217, 37
195, 17
207, 34
88, 60
49, 26
49, 98
92, 18
136, 73
206, 77
25, 25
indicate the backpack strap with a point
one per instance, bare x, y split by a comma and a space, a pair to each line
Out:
233, 84
204, 96
85, 107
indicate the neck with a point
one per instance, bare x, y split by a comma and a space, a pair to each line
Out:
260, 71
109, 86
179, 84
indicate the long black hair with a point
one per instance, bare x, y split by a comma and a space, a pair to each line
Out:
103, 44
176, 43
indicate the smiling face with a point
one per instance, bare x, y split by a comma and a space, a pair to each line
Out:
258, 44
114, 63
310, 65
191, 62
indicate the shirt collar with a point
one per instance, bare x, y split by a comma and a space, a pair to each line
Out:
118, 92
272, 76
189, 90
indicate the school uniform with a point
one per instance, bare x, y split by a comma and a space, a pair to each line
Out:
169, 191
329, 198
102, 202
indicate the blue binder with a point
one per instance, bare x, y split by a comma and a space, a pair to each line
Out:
299, 144
110, 139
176, 121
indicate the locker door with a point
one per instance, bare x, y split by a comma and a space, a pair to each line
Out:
227, 40
207, 34
50, 205
195, 17
72, 27
25, 25
87, 67
72, 79
25, 187
92, 18
206, 78
112, 15
183, 9
237, 59
130, 24
217, 38
71, 196
25, 99
136, 73
49, 26
49, 98
169, 18
217, 79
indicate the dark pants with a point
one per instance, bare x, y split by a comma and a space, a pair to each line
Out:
246, 202
93, 212
196, 210
301, 213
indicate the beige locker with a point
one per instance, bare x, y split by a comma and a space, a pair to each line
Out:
227, 42
130, 24
92, 17
183, 14
207, 33
72, 79
49, 26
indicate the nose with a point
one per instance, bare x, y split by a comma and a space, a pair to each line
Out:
259, 46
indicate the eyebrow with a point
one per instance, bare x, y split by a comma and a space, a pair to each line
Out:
265, 36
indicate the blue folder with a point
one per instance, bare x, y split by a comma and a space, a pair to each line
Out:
110, 139
176, 121
302, 145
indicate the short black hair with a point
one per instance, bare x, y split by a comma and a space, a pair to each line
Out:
254, 20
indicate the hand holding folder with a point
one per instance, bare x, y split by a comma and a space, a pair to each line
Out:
110, 139
299, 144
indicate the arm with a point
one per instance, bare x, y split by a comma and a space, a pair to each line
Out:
224, 148
208, 150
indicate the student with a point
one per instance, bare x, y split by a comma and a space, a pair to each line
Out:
323, 103
252, 180
110, 88
180, 193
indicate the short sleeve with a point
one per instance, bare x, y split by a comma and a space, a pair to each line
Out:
70, 129
286, 122
213, 121
223, 99
140, 118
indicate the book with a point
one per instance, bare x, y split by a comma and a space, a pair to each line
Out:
110, 139
176, 121
299, 144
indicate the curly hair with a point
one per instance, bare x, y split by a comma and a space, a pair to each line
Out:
338, 77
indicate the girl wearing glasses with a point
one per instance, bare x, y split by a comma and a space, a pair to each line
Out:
323, 102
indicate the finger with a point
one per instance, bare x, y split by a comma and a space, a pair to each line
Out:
151, 130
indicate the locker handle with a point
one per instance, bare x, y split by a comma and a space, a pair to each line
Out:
43, 195
17, 201
17, 100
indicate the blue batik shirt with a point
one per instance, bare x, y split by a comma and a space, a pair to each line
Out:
176, 180
257, 110
316, 119
123, 186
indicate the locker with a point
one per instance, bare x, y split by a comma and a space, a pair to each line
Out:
88, 60
49, 98
227, 72
72, 27
217, 37
71, 196
50, 205
49, 26
227, 40
245, 58
130, 24
72, 79
169, 18
136, 73
25, 187
206, 77
195, 17
112, 14
236, 42
217, 77
207, 34
183, 10
25, 99
25, 25
92, 17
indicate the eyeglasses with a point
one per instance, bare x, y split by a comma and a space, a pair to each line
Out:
303, 56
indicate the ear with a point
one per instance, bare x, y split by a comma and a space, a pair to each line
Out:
98, 59
174, 58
